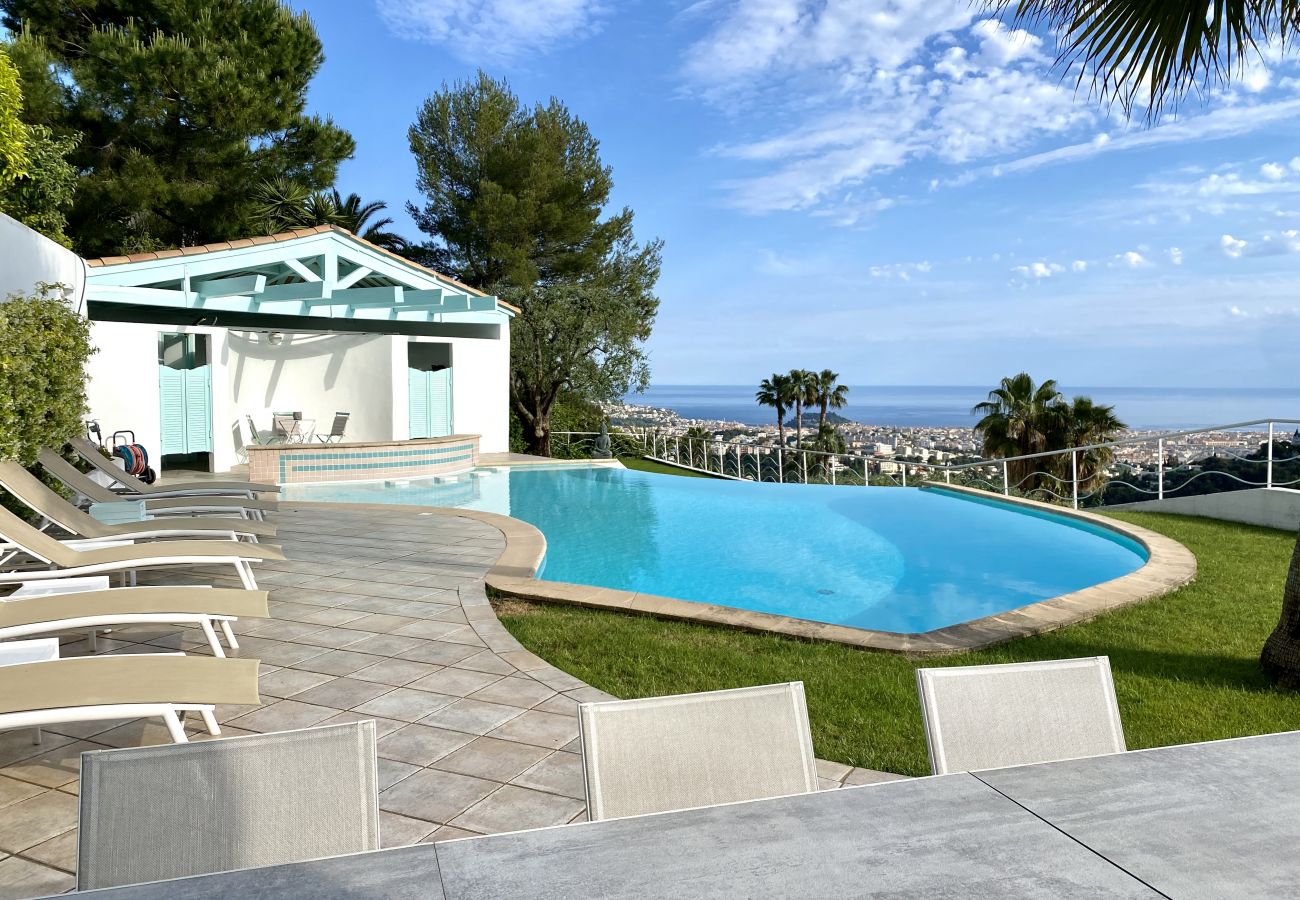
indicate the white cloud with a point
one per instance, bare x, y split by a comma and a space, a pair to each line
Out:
1232, 247
867, 86
1272, 171
1039, 270
1224, 122
1176, 256
1079, 265
900, 271
1132, 259
498, 30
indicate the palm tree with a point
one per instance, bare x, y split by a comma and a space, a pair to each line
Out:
778, 393
697, 445
1152, 53
1019, 418
354, 215
830, 395
1281, 656
804, 386
1080, 423
282, 204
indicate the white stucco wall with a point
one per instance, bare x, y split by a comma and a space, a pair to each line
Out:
28, 258
1270, 507
318, 374
123, 382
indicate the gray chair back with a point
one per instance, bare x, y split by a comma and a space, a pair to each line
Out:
666, 753
990, 717
154, 813
340, 424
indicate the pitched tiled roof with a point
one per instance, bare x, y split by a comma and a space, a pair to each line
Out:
276, 239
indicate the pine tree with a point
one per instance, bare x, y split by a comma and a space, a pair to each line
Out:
182, 104
514, 195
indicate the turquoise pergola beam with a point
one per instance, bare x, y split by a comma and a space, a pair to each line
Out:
239, 285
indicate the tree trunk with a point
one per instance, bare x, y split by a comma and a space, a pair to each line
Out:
1281, 656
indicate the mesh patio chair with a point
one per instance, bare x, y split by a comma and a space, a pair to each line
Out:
689, 750
336, 430
155, 813
990, 717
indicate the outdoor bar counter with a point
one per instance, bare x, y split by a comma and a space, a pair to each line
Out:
361, 461
1219, 819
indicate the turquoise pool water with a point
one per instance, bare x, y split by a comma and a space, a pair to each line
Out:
890, 559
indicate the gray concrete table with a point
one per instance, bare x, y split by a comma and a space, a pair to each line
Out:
927, 838
1202, 820
935, 837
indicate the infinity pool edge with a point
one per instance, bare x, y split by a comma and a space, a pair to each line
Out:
1169, 566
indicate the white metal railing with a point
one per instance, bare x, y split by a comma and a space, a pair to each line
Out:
1078, 476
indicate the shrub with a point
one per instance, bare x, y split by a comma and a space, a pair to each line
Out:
44, 346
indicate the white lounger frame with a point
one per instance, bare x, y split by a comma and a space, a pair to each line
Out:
243, 566
206, 621
170, 713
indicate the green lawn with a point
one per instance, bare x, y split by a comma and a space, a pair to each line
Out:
1185, 665
649, 465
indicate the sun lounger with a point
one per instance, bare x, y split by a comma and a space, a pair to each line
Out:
94, 492
43, 500
132, 485
59, 559
208, 608
101, 688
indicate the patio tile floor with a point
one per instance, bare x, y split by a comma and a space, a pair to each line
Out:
393, 627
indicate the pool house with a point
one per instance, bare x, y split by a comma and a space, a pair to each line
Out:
207, 351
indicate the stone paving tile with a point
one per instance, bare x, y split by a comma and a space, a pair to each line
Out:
472, 716
513, 808
21, 878
542, 729
396, 672
405, 704
287, 682
514, 691
338, 662
460, 682
35, 820
441, 654
447, 833
421, 745
342, 693
435, 796
52, 768
59, 852
492, 759
283, 715
12, 791
559, 773
402, 831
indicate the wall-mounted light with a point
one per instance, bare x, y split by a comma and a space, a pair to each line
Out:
274, 338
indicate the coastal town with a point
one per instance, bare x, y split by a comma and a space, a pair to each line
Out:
938, 445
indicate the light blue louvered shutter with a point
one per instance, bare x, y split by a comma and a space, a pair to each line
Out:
171, 398
198, 410
440, 403
418, 404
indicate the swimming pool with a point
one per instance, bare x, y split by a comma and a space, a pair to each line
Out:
886, 559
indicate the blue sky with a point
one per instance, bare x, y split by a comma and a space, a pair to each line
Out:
901, 190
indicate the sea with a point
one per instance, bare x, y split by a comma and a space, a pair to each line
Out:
949, 405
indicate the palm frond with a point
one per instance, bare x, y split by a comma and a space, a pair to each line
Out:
1151, 53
